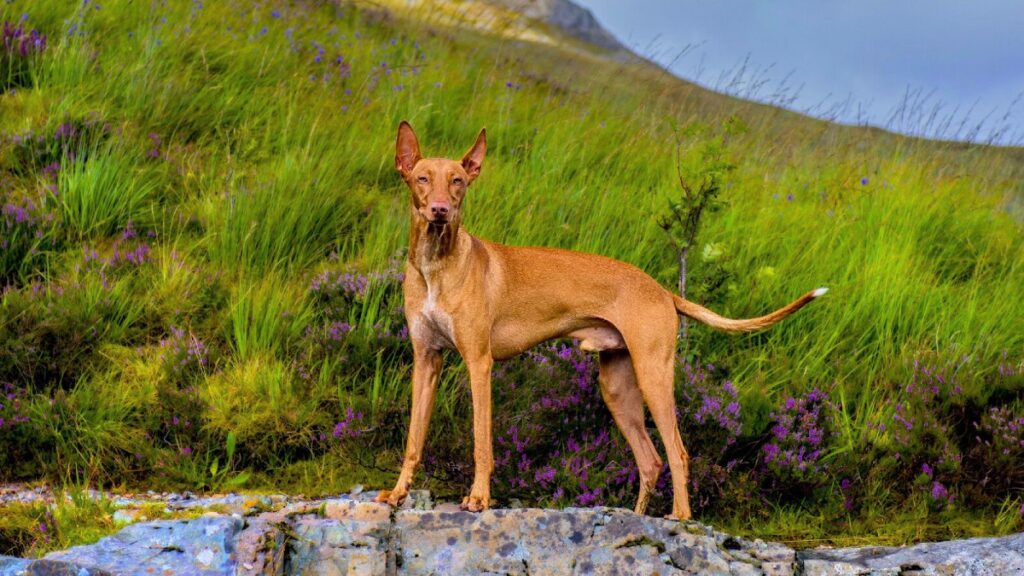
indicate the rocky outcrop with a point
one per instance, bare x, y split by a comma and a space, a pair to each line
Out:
978, 556
569, 17
574, 541
245, 535
204, 545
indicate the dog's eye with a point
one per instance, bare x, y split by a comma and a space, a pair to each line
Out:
422, 180
457, 180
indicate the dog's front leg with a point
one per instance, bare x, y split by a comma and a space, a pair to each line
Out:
425, 371
483, 451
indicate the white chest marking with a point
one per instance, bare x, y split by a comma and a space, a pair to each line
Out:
434, 323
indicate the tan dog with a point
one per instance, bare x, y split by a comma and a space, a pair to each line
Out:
490, 302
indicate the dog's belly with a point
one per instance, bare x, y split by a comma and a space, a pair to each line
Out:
511, 338
598, 338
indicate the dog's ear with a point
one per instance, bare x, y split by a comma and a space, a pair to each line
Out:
407, 149
474, 159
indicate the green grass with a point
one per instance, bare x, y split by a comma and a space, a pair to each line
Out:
103, 194
265, 316
878, 526
75, 518
250, 162
303, 195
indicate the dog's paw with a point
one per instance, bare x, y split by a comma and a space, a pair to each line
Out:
475, 503
679, 517
391, 497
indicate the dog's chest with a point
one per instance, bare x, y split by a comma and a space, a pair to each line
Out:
433, 324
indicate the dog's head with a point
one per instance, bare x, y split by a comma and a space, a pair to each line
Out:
438, 185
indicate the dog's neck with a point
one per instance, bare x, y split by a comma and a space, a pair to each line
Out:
432, 244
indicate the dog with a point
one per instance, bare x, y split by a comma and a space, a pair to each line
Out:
491, 302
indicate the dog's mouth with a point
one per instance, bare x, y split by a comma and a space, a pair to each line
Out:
437, 226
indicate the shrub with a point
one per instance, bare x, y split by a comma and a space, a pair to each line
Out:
273, 414
920, 451
791, 459
998, 451
557, 444
923, 431
362, 311
710, 422
48, 337
176, 426
553, 445
357, 344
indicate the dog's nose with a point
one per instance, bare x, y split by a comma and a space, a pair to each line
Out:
439, 210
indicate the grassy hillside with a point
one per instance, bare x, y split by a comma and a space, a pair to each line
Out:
202, 250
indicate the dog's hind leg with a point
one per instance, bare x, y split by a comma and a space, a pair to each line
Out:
651, 341
621, 394
655, 377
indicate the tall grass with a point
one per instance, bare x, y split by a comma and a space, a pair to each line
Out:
94, 430
265, 317
103, 193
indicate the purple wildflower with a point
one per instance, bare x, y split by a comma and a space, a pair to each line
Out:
183, 354
345, 429
800, 429
16, 42
545, 476
337, 330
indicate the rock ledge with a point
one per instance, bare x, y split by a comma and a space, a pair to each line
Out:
276, 535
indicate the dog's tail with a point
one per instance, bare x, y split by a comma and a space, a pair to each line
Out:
702, 314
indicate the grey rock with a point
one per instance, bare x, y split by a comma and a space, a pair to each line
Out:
973, 557
260, 549
350, 537
418, 500
9, 566
567, 16
351, 534
229, 503
491, 541
203, 545
778, 568
324, 546
644, 559
22, 567
537, 542
743, 569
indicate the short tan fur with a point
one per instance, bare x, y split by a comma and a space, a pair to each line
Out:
490, 302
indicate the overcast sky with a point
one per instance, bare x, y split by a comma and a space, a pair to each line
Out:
965, 53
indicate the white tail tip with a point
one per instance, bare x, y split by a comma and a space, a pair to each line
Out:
819, 292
